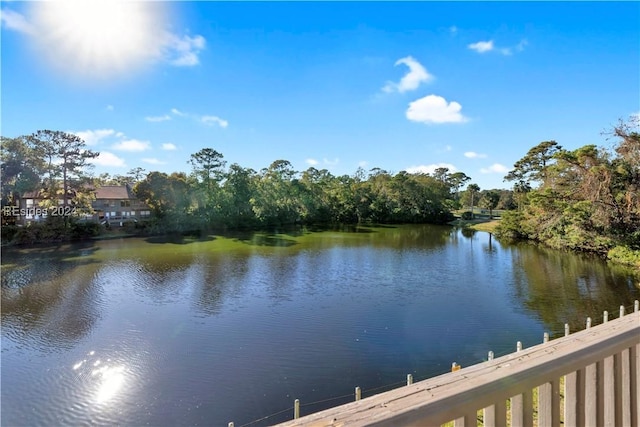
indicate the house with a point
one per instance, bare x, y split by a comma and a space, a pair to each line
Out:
118, 203
113, 203
29, 207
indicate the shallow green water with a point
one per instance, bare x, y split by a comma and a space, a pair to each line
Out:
233, 328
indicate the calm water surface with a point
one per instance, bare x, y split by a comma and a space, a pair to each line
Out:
234, 328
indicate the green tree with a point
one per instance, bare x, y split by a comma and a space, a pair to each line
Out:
315, 195
276, 201
533, 166
170, 199
208, 169
136, 174
456, 181
20, 169
238, 189
383, 196
424, 198
507, 200
441, 174
473, 190
67, 158
588, 199
520, 190
489, 200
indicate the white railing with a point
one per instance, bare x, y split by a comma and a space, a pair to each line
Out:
598, 368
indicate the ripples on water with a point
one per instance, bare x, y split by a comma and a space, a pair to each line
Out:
197, 333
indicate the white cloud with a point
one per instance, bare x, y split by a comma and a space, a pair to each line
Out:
109, 107
158, 118
417, 74
482, 47
453, 29
117, 140
182, 51
435, 109
495, 168
94, 137
431, 168
132, 145
474, 155
15, 21
153, 161
108, 159
325, 161
488, 46
210, 120
169, 146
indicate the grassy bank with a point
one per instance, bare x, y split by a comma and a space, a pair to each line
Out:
480, 224
488, 226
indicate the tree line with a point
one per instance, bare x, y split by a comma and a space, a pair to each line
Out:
212, 195
587, 199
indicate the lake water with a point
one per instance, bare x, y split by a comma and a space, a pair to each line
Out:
234, 328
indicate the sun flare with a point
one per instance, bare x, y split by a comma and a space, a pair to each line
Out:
99, 38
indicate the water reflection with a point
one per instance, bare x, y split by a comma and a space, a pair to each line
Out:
468, 232
215, 279
41, 291
206, 331
490, 247
266, 239
561, 288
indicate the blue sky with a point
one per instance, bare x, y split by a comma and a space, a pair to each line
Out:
399, 86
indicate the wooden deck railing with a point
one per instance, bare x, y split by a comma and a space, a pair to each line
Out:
600, 366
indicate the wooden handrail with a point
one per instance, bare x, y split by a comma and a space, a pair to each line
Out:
438, 400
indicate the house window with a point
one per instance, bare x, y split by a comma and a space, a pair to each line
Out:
125, 203
29, 202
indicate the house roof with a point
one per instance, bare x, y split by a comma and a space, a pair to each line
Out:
40, 194
120, 192
32, 195
117, 192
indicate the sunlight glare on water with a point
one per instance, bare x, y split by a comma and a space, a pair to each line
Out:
107, 379
111, 381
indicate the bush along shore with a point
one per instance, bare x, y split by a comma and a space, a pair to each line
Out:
587, 199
